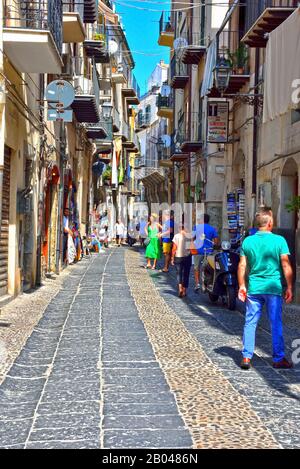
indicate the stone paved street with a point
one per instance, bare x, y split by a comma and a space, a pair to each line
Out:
116, 360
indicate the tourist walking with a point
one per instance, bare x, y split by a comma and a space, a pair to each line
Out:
153, 250
205, 237
167, 236
120, 230
182, 259
266, 256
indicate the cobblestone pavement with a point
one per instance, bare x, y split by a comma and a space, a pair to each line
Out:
116, 360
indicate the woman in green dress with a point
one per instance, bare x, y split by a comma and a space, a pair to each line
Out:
153, 250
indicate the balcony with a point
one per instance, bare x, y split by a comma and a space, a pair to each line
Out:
73, 28
176, 154
86, 102
90, 11
263, 16
95, 131
236, 53
104, 144
119, 74
143, 120
132, 144
96, 48
33, 35
189, 136
179, 73
193, 48
166, 32
116, 120
165, 106
132, 92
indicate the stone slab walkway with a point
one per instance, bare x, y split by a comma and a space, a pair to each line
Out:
115, 360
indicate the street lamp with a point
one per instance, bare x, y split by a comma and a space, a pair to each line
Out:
107, 110
222, 73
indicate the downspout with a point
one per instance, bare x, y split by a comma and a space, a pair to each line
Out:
190, 98
59, 233
41, 185
2, 120
255, 134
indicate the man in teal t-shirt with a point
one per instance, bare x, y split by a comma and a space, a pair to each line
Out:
266, 256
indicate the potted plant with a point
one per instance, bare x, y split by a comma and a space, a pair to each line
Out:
99, 37
238, 59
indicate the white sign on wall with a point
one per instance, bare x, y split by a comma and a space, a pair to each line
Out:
217, 121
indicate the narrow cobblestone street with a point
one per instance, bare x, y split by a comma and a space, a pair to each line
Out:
116, 360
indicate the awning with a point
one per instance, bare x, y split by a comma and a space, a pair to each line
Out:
211, 60
153, 179
282, 68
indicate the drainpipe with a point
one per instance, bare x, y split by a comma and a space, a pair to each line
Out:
190, 97
40, 188
62, 156
255, 133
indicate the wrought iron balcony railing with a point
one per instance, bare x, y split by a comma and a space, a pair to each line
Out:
165, 24
255, 8
73, 6
107, 124
179, 72
230, 47
36, 15
164, 101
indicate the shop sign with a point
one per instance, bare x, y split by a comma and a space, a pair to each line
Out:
217, 121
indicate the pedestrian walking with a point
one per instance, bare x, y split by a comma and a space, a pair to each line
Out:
182, 259
153, 250
120, 231
167, 236
141, 228
205, 237
266, 256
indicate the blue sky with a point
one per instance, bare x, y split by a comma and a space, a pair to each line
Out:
142, 33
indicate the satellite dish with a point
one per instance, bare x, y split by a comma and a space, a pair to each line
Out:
60, 91
180, 42
167, 140
113, 46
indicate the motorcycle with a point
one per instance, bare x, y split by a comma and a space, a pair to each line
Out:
219, 275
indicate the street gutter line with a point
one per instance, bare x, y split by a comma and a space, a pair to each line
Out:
100, 367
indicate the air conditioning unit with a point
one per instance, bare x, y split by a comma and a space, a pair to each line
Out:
67, 69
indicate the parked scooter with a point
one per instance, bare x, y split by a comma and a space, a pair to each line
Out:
219, 275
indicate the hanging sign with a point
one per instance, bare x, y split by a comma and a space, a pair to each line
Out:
217, 121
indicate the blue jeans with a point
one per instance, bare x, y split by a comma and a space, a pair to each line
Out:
254, 308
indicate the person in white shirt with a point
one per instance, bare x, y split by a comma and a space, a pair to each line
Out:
120, 228
182, 259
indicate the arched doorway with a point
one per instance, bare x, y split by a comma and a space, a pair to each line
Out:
288, 190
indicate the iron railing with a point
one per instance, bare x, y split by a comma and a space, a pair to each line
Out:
189, 129
135, 86
36, 15
256, 7
191, 39
107, 124
164, 101
116, 118
73, 6
87, 86
177, 67
231, 48
165, 26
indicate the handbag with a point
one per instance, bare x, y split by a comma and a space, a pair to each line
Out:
193, 249
147, 241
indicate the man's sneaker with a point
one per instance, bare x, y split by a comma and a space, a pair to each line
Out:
246, 364
284, 364
197, 287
